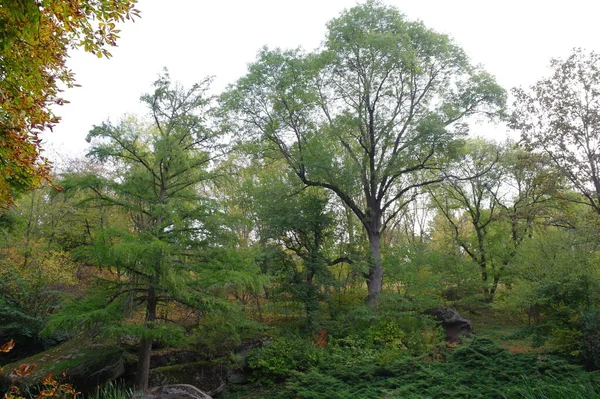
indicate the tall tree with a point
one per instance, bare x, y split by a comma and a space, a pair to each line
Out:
156, 172
371, 116
35, 36
560, 116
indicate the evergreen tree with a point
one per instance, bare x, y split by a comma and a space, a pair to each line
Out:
163, 254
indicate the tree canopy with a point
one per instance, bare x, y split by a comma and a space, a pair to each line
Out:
35, 37
560, 117
154, 180
373, 115
215, 243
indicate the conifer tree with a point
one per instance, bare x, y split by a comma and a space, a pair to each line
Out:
162, 255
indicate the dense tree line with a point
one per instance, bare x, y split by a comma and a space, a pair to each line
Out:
317, 181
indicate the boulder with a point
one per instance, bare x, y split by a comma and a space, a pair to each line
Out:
201, 374
87, 364
158, 361
455, 325
176, 391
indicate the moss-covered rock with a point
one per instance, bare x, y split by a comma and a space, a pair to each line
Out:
86, 364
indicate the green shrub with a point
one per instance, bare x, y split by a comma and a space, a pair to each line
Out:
478, 368
284, 356
416, 334
554, 388
590, 340
220, 334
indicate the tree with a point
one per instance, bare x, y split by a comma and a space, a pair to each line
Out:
370, 116
560, 116
34, 271
163, 255
531, 183
468, 201
491, 202
35, 36
296, 227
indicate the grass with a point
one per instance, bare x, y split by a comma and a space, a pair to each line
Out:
504, 328
111, 390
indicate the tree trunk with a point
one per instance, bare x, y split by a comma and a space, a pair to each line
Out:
143, 370
375, 276
484, 276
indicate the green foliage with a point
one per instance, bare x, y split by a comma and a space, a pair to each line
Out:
362, 340
111, 390
22, 316
221, 333
556, 286
554, 388
35, 271
477, 369
559, 116
370, 116
590, 340
92, 313
411, 333
171, 249
281, 358
429, 274
296, 230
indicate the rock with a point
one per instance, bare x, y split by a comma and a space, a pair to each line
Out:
87, 364
200, 374
239, 376
455, 325
158, 361
176, 391
93, 372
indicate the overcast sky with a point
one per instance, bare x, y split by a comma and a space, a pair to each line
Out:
513, 40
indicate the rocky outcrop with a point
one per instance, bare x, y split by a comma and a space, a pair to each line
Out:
201, 374
177, 391
455, 325
86, 364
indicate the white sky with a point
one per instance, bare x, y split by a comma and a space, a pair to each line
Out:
513, 39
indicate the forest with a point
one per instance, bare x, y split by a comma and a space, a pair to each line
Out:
334, 224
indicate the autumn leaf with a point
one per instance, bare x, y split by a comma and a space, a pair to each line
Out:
24, 370
49, 380
36, 37
7, 347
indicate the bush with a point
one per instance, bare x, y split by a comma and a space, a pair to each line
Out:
279, 360
590, 340
416, 334
221, 333
555, 285
479, 368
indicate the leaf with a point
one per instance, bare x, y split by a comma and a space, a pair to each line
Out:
7, 347
24, 370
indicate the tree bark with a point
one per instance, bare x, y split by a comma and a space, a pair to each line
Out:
143, 370
375, 276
